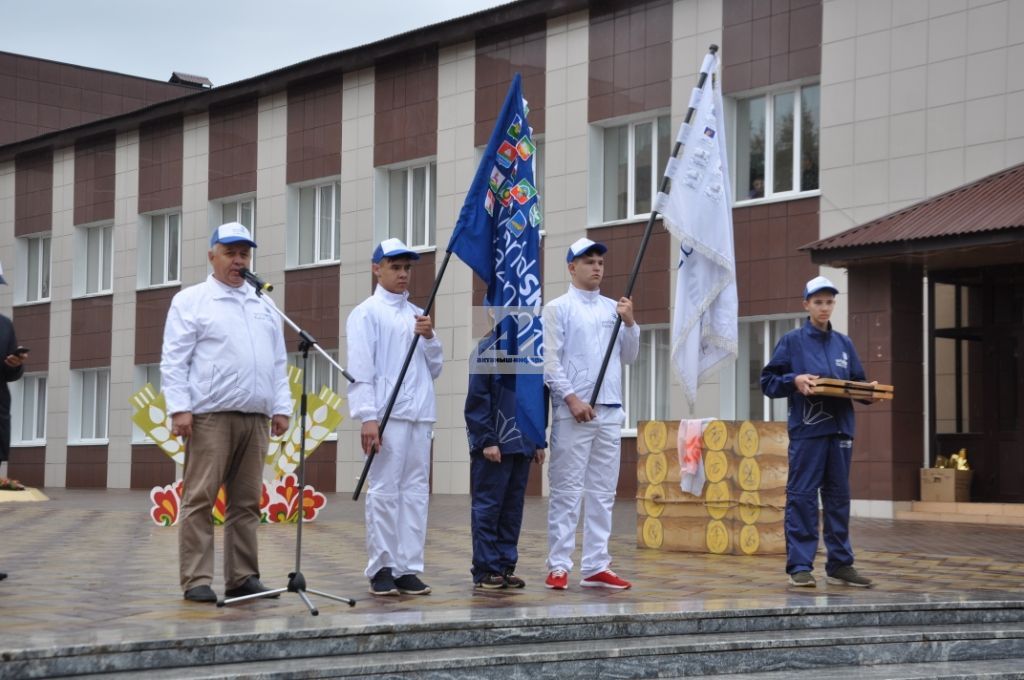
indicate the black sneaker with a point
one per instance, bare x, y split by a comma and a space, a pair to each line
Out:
513, 581
410, 584
382, 583
250, 586
848, 576
201, 594
492, 582
802, 579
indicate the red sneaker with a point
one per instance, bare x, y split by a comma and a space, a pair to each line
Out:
606, 579
558, 579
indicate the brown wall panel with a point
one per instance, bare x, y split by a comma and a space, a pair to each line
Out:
87, 467
770, 271
405, 108
626, 489
150, 315
630, 67
322, 466
33, 193
233, 134
39, 96
32, 326
161, 151
651, 297
767, 42
27, 464
499, 56
90, 331
94, 179
150, 467
314, 131
312, 301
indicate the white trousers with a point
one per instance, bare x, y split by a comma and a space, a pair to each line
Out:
584, 468
397, 499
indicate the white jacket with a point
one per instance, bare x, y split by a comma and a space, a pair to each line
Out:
577, 327
223, 351
379, 332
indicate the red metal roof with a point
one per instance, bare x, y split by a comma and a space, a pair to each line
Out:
992, 203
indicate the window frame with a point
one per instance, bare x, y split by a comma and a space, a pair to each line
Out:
75, 425
767, 404
769, 95
295, 236
18, 396
655, 374
145, 250
23, 247
82, 274
598, 171
429, 166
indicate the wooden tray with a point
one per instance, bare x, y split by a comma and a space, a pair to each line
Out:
852, 389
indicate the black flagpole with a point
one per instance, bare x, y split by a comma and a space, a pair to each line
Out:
401, 378
643, 248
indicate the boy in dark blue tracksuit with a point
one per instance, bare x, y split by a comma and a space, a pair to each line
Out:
821, 433
499, 470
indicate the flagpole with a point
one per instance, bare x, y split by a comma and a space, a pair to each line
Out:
712, 49
401, 378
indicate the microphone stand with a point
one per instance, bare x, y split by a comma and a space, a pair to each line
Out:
296, 581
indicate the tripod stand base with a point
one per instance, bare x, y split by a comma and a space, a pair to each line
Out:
297, 585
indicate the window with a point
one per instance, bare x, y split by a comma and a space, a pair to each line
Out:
160, 250
757, 340
145, 373
321, 373
36, 282
412, 206
88, 416
635, 155
93, 274
647, 378
319, 220
242, 211
28, 410
776, 149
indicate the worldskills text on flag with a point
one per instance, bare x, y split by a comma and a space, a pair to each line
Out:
697, 210
498, 236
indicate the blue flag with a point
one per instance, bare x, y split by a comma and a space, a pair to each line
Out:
498, 236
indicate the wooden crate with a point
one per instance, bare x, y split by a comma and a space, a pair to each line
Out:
741, 510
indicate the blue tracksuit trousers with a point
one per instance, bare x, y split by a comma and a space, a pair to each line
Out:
818, 463
498, 491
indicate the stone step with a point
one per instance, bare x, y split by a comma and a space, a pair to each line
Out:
575, 649
1002, 514
995, 669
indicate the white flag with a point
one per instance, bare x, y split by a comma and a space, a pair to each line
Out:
698, 211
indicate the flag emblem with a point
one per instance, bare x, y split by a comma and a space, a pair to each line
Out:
535, 217
505, 196
517, 223
489, 203
497, 179
516, 128
506, 154
523, 191
525, 148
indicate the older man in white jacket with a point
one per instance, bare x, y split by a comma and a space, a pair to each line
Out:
224, 374
380, 330
585, 440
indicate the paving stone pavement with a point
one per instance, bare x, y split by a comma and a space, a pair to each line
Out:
92, 566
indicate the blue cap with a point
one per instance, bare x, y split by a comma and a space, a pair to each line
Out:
232, 232
393, 247
582, 246
818, 284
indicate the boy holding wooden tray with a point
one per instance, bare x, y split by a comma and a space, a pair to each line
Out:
821, 430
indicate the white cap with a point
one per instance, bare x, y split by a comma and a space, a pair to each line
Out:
818, 284
583, 245
393, 247
232, 232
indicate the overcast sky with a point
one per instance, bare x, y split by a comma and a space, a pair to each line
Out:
224, 40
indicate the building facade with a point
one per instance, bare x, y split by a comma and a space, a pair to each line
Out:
841, 112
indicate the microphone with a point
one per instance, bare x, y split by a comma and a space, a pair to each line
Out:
259, 284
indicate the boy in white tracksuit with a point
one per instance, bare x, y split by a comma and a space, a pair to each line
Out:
380, 330
585, 440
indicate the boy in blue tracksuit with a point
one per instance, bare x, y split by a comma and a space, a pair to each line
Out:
821, 433
499, 470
